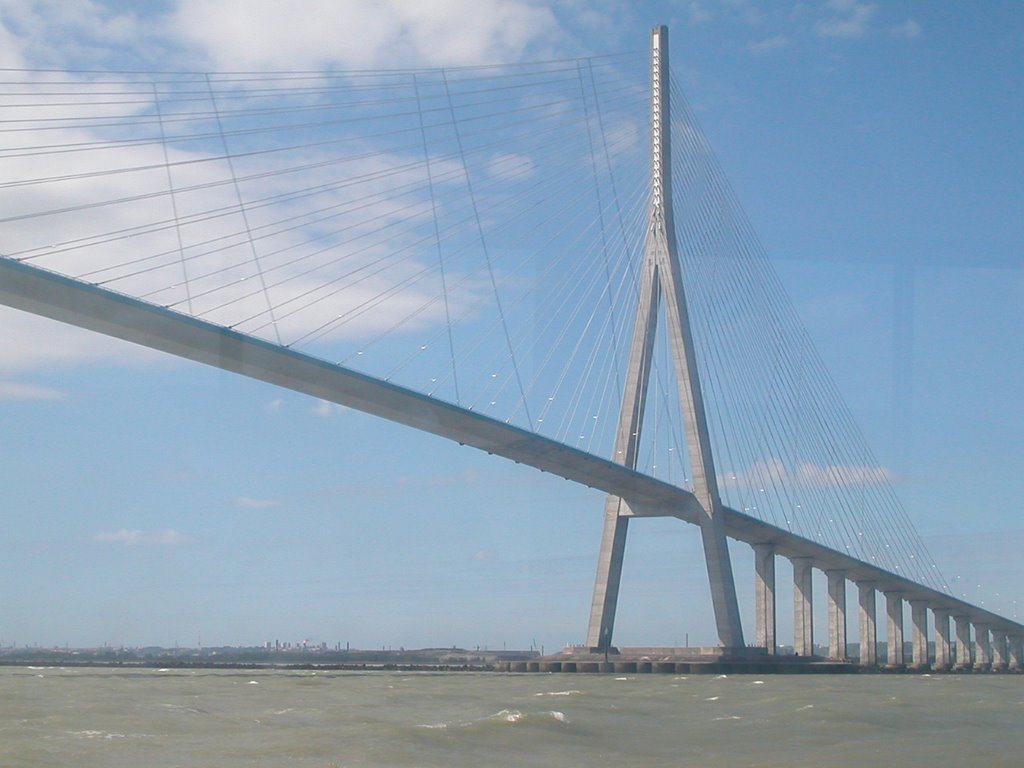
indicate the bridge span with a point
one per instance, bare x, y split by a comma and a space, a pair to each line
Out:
997, 640
965, 636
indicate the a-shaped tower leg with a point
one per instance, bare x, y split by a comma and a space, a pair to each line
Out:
661, 280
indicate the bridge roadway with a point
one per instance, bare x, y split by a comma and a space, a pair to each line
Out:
61, 298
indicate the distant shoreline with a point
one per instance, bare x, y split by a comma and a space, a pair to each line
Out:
176, 664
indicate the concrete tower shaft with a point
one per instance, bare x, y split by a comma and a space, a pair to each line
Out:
661, 280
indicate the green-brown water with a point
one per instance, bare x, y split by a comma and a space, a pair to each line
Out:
146, 718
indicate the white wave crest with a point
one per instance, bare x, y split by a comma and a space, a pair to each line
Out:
508, 715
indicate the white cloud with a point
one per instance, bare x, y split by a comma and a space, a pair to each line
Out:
310, 34
12, 46
30, 342
65, 34
808, 474
337, 291
345, 295
16, 390
135, 537
847, 19
840, 475
697, 14
245, 501
748, 12
909, 30
604, 18
324, 408
769, 44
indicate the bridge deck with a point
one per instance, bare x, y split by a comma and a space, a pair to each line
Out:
70, 301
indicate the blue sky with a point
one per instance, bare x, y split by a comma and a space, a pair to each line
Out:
874, 146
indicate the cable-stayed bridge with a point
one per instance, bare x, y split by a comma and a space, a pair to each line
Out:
543, 261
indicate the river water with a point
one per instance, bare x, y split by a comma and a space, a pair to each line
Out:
190, 718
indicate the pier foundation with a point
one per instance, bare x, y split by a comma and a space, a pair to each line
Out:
1000, 661
894, 625
866, 598
836, 615
982, 648
963, 642
764, 596
919, 636
943, 651
803, 614
1016, 653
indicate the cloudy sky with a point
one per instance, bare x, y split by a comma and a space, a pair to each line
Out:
875, 147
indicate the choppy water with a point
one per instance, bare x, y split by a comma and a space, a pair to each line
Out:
101, 717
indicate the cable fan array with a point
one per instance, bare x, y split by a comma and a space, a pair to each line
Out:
446, 230
787, 448
472, 233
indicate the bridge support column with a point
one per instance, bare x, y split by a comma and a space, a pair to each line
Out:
836, 615
943, 652
894, 624
609, 575
963, 642
661, 281
803, 614
999, 660
764, 596
1016, 653
919, 638
866, 595
983, 648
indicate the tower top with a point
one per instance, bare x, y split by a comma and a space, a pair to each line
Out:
661, 189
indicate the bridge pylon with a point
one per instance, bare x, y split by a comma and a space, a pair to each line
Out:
661, 281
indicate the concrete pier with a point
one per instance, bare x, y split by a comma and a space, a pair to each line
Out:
982, 648
803, 614
963, 642
919, 636
1016, 653
1000, 661
836, 615
866, 598
764, 596
943, 651
705, 660
710, 660
894, 625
